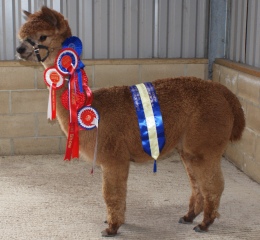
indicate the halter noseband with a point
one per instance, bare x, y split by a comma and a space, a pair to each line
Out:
36, 48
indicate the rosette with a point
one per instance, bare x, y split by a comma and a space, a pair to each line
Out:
67, 61
52, 76
88, 118
74, 43
54, 81
80, 99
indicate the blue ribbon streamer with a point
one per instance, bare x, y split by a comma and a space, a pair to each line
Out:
80, 80
142, 121
157, 115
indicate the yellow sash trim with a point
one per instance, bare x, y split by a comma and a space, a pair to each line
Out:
151, 126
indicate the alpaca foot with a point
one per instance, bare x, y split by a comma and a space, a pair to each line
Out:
107, 222
200, 229
111, 231
108, 233
183, 220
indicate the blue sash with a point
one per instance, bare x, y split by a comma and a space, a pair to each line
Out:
149, 119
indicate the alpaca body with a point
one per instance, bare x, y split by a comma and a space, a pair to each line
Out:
183, 103
199, 117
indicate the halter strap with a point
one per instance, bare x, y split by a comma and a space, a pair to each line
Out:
36, 48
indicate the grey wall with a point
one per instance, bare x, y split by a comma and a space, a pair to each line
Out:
244, 33
120, 28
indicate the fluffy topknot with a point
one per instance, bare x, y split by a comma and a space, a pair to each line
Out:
45, 20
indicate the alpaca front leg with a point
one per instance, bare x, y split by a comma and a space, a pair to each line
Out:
114, 193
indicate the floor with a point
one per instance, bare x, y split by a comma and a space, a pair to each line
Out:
45, 198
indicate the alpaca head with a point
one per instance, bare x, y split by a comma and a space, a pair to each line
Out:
42, 35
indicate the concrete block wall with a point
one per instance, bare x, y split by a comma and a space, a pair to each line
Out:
244, 81
24, 128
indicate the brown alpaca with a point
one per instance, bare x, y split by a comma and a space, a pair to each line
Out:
200, 118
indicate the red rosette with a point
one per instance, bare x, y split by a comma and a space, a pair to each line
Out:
88, 118
52, 76
67, 61
80, 99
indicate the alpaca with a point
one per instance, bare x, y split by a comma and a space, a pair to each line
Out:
200, 118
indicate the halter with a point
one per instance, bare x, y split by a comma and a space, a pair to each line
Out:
36, 48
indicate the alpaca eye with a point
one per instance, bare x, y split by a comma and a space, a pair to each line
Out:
42, 38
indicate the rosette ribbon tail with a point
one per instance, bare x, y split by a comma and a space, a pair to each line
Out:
52, 102
80, 82
74, 115
81, 73
72, 148
95, 153
71, 135
49, 110
86, 88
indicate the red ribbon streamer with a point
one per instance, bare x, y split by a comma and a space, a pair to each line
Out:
72, 149
74, 119
87, 88
53, 101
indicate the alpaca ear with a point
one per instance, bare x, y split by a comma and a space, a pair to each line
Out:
26, 13
49, 16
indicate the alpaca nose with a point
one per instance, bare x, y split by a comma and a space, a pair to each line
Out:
20, 49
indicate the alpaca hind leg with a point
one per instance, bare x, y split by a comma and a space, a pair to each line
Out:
211, 184
195, 206
196, 199
114, 193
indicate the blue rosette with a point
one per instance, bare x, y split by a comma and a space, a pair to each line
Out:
74, 43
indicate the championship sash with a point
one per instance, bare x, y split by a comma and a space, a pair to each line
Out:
149, 119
